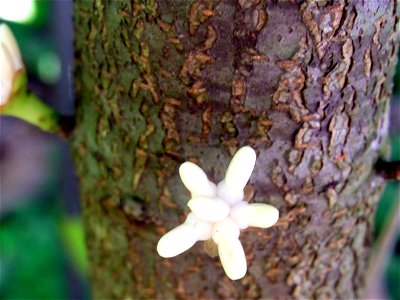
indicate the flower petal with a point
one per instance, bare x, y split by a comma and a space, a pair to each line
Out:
226, 228
6, 76
5, 86
10, 47
229, 194
232, 257
202, 229
176, 241
256, 214
196, 181
237, 215
209, 209
240, 168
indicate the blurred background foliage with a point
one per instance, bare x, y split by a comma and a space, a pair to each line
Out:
391, 197
42, 252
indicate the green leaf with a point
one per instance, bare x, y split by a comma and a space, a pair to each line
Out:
73, 238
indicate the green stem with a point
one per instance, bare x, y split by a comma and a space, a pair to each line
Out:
28, 107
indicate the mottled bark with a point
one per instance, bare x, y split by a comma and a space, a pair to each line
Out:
306, 83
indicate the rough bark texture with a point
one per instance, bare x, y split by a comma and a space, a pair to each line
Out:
306, 83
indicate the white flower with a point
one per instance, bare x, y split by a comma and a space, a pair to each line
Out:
10, 63
218, 213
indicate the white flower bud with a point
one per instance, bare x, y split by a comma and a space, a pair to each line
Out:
196, 181
201, 228
6, 75
232, 257
240, 168
256, 214
225, 228
229, 194
209, 209
237, 216
176, 241
10, 62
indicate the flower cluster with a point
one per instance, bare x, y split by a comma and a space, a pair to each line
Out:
219, 213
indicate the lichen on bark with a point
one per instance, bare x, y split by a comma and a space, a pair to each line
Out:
305, 83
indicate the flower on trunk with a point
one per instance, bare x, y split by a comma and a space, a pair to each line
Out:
11, 64
218, 212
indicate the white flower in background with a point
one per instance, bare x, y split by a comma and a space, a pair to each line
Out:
218, 213
10, 63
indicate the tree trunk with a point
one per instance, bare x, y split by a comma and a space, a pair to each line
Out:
305, 83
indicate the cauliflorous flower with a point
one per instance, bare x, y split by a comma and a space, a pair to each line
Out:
219, 213
10, 63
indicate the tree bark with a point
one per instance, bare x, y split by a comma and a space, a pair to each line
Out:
305, 83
